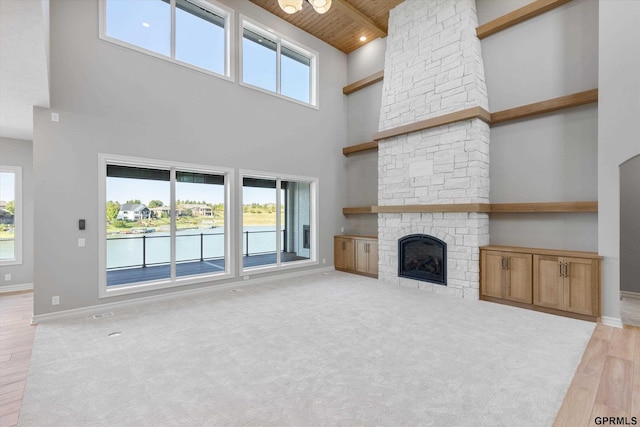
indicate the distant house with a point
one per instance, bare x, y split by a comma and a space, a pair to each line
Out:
133, 212
196, 210
161, 212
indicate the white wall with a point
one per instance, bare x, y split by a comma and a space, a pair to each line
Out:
363, 112
549, 158
18, 152
618, 113
551, 55
118, 101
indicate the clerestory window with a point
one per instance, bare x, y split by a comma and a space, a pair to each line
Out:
274, 64
194, 33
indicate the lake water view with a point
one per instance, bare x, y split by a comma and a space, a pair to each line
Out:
126, 250
7, 247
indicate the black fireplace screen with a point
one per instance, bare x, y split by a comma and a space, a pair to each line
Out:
423, 257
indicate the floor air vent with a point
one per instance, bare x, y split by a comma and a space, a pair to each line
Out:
102, 315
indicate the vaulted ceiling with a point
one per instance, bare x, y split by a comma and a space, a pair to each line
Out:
344, 24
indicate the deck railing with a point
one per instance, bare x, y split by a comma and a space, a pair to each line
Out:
146, 241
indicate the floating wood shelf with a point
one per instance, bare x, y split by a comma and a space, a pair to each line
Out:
455, 207
365, 146
537, 108
543, 107
517, 16
458, 116
362, 83
548, 207
536, 207
358, 210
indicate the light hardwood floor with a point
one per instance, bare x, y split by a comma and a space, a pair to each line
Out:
16, 342
606, 383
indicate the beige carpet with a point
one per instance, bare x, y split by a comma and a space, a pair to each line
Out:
319, 350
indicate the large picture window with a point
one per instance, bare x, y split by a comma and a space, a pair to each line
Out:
10, 215
191, 32
278, 221
164, 224
276, 65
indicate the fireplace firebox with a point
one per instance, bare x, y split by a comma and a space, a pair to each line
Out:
423, 257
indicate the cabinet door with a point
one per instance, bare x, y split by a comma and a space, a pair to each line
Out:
373, 258
548, 281
338, 253
349, 254
493, 275
343, 253
519, 277
362, 255
580, 291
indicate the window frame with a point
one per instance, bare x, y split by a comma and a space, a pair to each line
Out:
280, 40
313, 223
17, 216
172, 281
213, 6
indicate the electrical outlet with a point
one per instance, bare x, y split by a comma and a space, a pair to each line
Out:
324, 260
82, 243
55, 117
55, 300
342, 229
247, 277
7, 277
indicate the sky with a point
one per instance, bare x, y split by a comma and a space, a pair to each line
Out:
7, 186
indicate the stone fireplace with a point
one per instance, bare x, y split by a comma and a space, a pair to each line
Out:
433, 68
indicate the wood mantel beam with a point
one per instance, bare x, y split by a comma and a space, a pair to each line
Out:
361, 18
458, 116
495, 208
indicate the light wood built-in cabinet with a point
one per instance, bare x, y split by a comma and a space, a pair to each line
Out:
554, 281
507, 275
344, 253
367, 256
566, 283
356, 254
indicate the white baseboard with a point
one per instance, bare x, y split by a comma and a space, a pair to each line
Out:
629, 295
102, 308
16, 288
616, 322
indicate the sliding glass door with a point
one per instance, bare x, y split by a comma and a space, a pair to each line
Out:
278, 221
163, 224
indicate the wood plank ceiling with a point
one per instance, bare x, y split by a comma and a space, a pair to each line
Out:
344, 24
